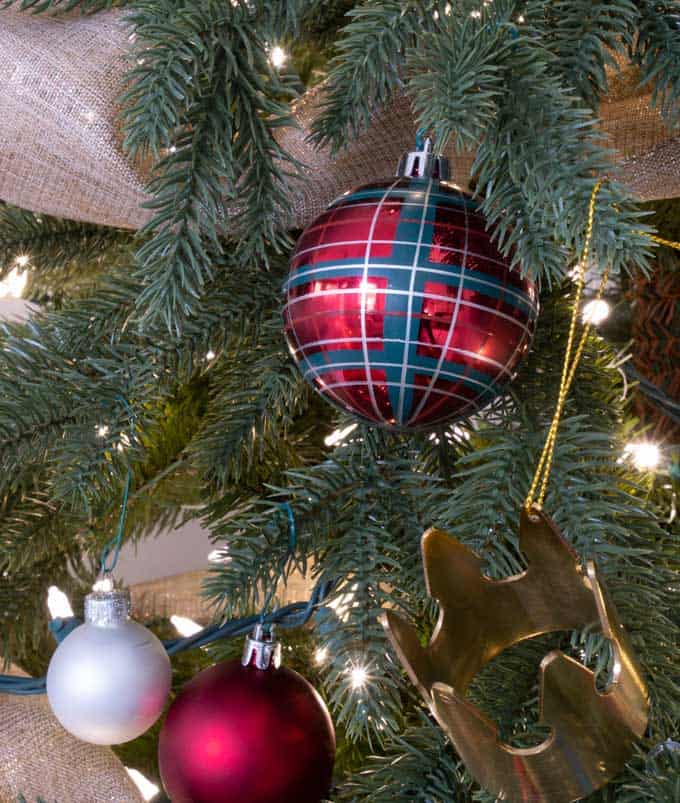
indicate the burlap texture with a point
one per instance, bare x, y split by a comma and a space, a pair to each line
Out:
181, 595
60, 149
39, 759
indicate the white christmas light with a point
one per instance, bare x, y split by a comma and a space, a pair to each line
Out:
460, 432
339, 435
359, 677
23, 260
343, 603
645, 455
210, 355
219, 556
12, 286
185, 626
278, 57
148, 790
596, 311
105, 585
321, 655
58, 603
102, 430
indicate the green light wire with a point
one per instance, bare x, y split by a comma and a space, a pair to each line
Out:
116, 542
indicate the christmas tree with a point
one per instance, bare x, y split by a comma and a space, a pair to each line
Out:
155, 232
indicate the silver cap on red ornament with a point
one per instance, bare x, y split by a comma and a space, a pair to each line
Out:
423, 163
261, 650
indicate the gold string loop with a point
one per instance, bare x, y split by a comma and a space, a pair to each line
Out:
572, 357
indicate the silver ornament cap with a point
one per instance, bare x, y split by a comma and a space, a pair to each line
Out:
423, 163
261, 650
107, 607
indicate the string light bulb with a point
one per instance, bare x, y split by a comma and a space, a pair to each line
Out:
219, 556
645, 455
278, 57
14, 283
339, 435
58, 603
23, 260
596, 311
359, 677
184, 626
321, 655
147, 789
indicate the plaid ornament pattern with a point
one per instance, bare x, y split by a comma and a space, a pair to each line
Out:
401, 310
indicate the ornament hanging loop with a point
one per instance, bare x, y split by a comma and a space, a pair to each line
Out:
422, 162
287, 508
572, 357
113, 547
261, 649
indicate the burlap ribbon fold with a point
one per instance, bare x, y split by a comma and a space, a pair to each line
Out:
60, 145
40, 760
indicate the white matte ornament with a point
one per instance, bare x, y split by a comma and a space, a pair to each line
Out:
109, 679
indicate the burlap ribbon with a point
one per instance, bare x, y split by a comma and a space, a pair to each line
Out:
39, 759
60, 149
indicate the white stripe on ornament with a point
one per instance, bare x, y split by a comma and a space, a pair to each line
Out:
409, 308
453, 375
464, 352
431, 296
312, 272
363, 288
452, 325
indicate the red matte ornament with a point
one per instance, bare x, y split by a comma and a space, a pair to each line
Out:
239, 734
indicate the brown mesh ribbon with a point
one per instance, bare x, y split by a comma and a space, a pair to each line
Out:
39, 759
60, 147
656, 331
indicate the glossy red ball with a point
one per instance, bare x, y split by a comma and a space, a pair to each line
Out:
239, 734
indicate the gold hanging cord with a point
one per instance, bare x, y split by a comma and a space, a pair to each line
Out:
539, 484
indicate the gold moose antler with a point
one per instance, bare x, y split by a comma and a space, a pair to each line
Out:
592, 732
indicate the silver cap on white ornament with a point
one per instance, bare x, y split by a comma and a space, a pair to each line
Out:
261, 650
106, 606
423, 163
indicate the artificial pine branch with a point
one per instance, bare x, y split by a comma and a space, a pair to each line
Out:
204, 86
587, 37
367, 70
457, 77
417, 765
657, 51
205, 99
63, 257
